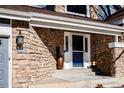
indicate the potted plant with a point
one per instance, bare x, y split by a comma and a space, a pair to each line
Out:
60, 59
60, 62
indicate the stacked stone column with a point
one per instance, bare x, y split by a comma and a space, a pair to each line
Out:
117, 67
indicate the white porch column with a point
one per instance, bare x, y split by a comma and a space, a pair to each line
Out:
116, 38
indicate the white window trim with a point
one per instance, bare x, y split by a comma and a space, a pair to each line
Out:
73, 13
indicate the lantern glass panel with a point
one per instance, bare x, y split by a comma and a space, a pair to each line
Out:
20, 39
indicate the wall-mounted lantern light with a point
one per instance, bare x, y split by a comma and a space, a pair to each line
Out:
19, 41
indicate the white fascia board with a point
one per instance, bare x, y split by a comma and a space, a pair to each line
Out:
116, 45
71, 28
75, 24
79, 21
13, 14
77, 27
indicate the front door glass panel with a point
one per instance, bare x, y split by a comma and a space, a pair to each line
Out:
77, 50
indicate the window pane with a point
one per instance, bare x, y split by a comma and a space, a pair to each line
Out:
48, 7
77, 42
78, 59
86, 45
66, 43
81, 9
4, 21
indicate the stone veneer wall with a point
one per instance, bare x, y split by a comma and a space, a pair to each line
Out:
118, 59
38, 62
118, 62
52, 38
94, 12
100, 53
60, 8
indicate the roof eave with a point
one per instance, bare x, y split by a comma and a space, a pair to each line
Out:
59, 22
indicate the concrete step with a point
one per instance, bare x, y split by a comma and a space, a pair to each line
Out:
79, 70
59, 75
72, 73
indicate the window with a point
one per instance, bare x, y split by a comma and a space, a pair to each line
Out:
38, 6
4, 21
77, 9
66, 43
77, 42
47, 7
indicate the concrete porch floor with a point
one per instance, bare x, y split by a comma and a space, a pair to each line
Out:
86, 83
78, 80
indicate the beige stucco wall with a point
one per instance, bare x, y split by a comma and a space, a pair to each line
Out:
94, 12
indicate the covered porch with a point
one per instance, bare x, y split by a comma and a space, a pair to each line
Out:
85, 43
85, 47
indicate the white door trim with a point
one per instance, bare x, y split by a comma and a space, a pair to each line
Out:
68, 61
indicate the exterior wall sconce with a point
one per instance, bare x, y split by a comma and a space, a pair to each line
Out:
19, 41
